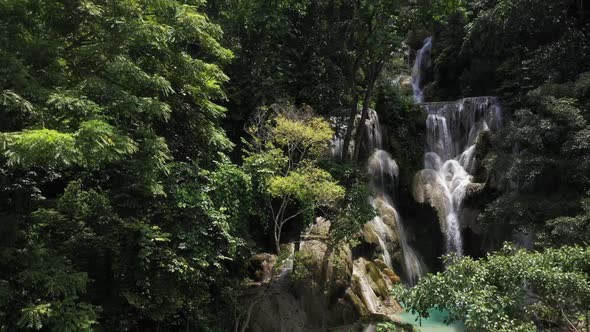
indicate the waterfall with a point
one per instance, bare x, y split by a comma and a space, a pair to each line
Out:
373, 135
383, 171
422, 60
449, 161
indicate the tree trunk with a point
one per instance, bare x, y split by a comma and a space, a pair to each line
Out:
375, 71
278, 246
350, 126
360, 132
248, 316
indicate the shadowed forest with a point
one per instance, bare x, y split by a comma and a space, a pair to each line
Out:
295, 165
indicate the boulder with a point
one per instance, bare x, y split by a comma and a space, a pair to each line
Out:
279, 311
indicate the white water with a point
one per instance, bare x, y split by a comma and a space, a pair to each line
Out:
422, 60
383, 171
387, 224
450, 159
373, 139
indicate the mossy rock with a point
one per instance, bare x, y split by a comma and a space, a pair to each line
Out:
339, 270
343, 312
377, 283
391, 275
474, 189
380, 264
357, 303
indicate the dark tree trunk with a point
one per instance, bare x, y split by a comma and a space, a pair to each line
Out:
350, 126
376, 70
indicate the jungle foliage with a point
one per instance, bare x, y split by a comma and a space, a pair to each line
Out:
150, 147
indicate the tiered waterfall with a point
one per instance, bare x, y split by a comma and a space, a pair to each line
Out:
449, 162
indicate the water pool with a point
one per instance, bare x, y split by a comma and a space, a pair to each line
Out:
434, 323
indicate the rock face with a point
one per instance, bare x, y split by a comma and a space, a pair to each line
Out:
261, 266
405, 83
326, 288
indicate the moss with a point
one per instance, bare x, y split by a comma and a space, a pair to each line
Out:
391, 275
380, 264
356, 302
378, 284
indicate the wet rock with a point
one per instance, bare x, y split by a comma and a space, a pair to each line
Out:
372, 287
377, 282
394, 278
474, 189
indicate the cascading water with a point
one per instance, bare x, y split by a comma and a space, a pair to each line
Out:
449, 162
422, 60
387, 225
384, 172
373, 139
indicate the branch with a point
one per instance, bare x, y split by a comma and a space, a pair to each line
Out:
567, 320
293, 216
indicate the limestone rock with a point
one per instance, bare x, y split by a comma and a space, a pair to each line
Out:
261, 266
372, 287
320, 228
369, 234
376, 280
357, 303
405, 84
394, 278
380, 264
279, 311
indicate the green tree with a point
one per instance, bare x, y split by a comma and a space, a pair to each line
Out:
512, 290
284, 151
110, 118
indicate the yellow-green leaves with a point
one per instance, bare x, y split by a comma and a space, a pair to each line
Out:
307, 184
283, 157
196, 26
309, 135
95, 143
42, 147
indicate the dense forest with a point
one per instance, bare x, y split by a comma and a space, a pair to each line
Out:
294, 165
